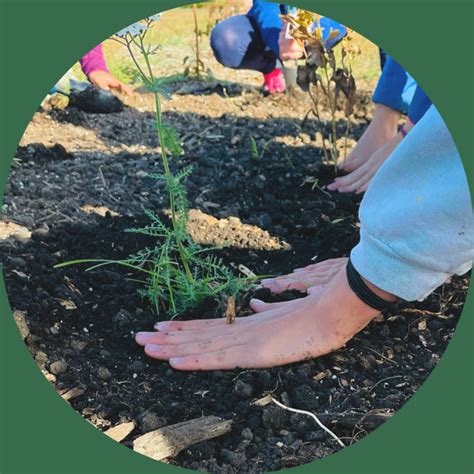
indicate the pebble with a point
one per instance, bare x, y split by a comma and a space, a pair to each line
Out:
233, 458
151, 421
58, 367
266, 379
104, 373
78, 345
40, 234
274, 418
136, 366
319, 435
122, 317
247, 434
243, 389
304, 398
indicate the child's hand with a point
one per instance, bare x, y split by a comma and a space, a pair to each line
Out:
289, 47
105, 80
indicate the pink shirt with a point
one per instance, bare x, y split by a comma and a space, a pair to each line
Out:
93, 61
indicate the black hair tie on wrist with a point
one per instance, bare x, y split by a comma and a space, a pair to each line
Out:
363, 292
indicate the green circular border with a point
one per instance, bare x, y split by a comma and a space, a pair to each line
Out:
38, 431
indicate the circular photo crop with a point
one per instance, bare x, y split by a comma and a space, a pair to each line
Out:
236, 236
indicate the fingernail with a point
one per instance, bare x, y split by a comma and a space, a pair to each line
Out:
143, 337
268, 281
162, 326
255, 300
331, 186
152, 348
175, 361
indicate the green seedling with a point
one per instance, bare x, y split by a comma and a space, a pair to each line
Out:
256, 153
176, 273
289, 161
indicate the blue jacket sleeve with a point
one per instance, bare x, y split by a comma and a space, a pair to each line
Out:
267, 18
419, 105
395, 87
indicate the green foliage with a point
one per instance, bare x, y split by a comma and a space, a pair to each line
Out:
178, 273
257, 154
171, 140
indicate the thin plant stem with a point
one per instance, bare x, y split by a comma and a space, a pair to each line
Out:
196, 34
169, 177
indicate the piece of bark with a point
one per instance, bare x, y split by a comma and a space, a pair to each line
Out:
73, 393
169, 441
120, 432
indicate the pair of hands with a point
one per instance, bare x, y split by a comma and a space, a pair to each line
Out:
105, 80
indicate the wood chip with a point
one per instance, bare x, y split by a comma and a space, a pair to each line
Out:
120, 432
169, 441
99, 210
11, 230
230, 311
73, 393
68, 304
261, 402
20, 320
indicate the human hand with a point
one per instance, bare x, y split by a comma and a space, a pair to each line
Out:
317, 274
382, 128
281, 333
289, 47
105, 80
358, 180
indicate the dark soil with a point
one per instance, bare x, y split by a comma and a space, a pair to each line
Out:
81, 324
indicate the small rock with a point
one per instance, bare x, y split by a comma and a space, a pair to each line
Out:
151, 421
58, 367
274, 418
233, 458
40, 234
289, 438
319, 435
104, 373
122, 317
266, 379
247, 434
304, 398
78, 345
296, 445
136, 366
243, 389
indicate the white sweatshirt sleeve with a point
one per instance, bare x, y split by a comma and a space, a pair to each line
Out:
417, 226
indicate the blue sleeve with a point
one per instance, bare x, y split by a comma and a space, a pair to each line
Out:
267, 18
395, 88
419, 105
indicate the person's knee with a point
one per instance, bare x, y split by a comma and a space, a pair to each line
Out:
225, 45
